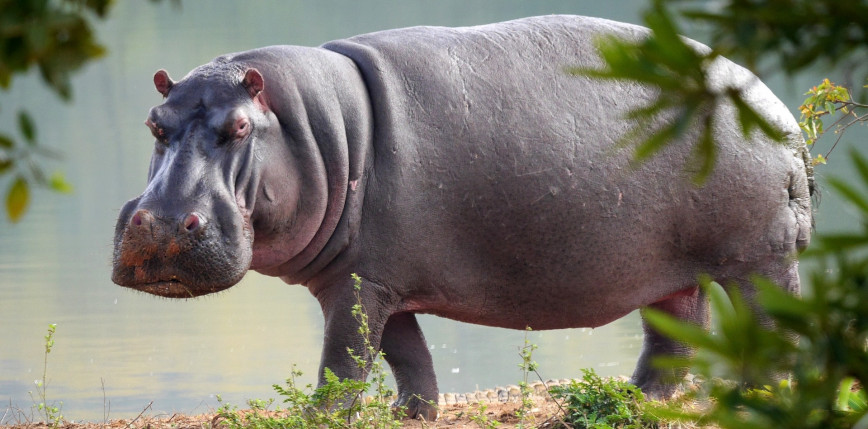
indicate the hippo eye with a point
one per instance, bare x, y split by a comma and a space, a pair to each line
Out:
238, 128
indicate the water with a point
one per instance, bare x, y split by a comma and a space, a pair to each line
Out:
131, 348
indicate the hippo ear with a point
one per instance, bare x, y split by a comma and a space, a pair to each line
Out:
163, 82
254, 82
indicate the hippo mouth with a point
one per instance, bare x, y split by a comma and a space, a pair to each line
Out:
168, 289
174, 287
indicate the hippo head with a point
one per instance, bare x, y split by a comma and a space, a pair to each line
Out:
191, 231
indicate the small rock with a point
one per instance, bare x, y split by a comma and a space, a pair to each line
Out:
539, 388
514, 393
502, 394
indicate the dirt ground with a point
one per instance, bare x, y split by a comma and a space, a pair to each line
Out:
451, 416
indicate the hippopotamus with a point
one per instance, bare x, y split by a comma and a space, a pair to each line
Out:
459, 172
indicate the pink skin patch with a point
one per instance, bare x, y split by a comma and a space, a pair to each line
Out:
354, 184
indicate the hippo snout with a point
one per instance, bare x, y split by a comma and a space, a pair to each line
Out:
178, 256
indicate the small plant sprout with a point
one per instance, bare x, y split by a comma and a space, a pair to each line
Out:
597, 403
336, 404
51, 412
527, 367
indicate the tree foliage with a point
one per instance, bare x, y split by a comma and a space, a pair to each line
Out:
666, 61
741, 361
799, 33
796, 34
828, 99
55, 37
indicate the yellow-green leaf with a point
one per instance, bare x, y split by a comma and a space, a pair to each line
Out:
819, 159
59, 183
17, 199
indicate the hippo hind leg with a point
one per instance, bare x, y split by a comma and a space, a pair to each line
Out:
407, 354
691, 306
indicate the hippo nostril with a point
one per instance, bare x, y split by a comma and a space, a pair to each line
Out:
141, 218
193, 222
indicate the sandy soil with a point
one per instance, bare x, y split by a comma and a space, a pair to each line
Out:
451, 416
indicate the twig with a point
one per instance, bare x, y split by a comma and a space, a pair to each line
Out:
555, 400
105, 413
140, 414
840, 131
9, 408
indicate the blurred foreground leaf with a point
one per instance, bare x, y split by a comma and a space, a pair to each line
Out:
819, 340
796, 34
17, 199
687, 99
58, 183
56, 38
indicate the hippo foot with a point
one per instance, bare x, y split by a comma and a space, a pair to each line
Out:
658, 391
414, 407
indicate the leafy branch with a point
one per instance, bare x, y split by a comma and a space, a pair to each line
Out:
24, 160
828, 99
794, 34
666, 61
56, 38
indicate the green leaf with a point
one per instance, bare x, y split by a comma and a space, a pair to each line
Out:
842, 241
59, 184
17, 199
717, 296
843, 402
819, 159
861, 164
850, 194
6, 142
25, 124
680, 330
750, 119
665, 135
704, 154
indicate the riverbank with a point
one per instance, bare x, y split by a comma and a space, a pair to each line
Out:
456, 416
498, 407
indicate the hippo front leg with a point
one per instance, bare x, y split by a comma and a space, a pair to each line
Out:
341, 331
408, 355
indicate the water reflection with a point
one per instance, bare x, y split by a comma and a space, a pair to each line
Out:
55, 265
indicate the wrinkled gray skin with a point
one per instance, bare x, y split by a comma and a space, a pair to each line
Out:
460, 172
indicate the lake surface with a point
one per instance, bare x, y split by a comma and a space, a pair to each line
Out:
131, 348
